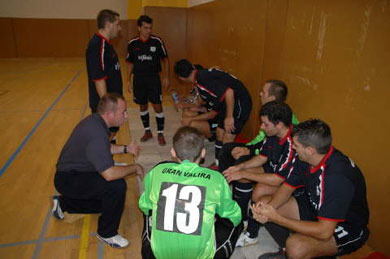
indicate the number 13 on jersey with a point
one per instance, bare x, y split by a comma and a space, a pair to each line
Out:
180, 208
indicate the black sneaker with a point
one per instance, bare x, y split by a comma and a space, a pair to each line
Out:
56, 210
281, 254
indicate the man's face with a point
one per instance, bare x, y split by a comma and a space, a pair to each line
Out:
114, 28
300, 149
264, 94
145, 30
120, 115
269, 128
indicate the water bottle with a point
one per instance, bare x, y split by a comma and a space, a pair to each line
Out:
175, 99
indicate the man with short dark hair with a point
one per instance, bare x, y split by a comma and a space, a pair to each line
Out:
227, 96
145, 53
270, 168
331, 217
86, 176
189, 211
103, 67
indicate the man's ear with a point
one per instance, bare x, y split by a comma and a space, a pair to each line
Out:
203, 153
310, 150
173, 153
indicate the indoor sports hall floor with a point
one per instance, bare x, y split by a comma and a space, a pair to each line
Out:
41, 100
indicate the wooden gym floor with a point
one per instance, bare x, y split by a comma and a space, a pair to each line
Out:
41, 100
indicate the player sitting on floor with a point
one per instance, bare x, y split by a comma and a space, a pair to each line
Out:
188, 209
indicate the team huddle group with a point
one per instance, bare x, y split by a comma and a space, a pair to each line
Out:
289, 179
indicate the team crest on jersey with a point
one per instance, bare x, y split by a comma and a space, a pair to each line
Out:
153, 49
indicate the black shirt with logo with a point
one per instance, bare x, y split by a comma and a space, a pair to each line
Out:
146, 55
336, 188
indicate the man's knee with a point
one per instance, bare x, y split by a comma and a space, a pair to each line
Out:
296, 247
258, 192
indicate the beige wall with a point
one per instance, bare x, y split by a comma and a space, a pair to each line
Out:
334, 56
69, 9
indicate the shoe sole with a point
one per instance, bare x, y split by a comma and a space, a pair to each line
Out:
111, 245
249, 244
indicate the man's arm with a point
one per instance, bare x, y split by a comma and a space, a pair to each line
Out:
165, 80
119, 172
264, 178
229, 120
321, 229
130, 67
255, 161
203, 117
132, 148
101, 87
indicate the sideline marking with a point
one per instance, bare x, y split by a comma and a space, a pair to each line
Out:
26, 139
85, 237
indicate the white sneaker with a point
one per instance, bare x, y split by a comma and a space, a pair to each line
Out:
116, 241
56, 211
245, 240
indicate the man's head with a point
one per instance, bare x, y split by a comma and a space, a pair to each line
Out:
108, 21
112, 107
183, 69
273, 90
311, 137
144, 24
275, 116
188, 144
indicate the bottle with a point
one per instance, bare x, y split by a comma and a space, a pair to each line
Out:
175, 99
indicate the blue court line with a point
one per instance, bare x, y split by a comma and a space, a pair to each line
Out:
14, 155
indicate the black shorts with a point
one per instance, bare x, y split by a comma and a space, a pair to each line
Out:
226, 236
348, 238
147, 89
241, 112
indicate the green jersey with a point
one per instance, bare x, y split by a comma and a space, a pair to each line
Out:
261, 136
184, 199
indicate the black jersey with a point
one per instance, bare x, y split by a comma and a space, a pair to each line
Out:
102, 64
336, 188
146, 55
213, 84
279, 154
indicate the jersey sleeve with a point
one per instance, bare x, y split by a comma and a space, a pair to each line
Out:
336, 196
227, 207
144, 203
98, 152
295, 176
95, 61
162, 51
130, 53
218, 83
295, 120
285, 163
266, 147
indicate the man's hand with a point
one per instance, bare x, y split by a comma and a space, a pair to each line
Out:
186, 121
165, 83
266, 210
238, 152
139, 170
233, 176
257, 214
229, 125
133, 148
233, 169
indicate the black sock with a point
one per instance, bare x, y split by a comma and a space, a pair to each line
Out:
145, 120
253, 226
160, 119
218, 146
242, 193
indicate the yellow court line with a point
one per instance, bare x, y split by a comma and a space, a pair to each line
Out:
84, 237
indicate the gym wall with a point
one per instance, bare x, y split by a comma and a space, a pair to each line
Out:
47, 28
334, 57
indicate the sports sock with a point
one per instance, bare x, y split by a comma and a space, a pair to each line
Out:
242, 193
160, 119
145, 119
